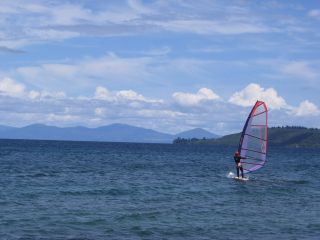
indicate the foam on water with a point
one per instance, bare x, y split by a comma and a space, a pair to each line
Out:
230, 175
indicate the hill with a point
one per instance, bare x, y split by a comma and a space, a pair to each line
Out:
279, 136
196, 133
110, 133
113, 132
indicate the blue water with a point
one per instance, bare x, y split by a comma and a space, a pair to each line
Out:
88, 190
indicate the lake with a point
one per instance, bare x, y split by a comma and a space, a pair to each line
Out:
92, 190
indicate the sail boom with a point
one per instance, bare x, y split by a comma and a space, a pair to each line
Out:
258, 114
255, 137
253, 163
253, 158
250, 150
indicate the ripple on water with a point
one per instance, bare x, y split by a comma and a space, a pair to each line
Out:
70, 190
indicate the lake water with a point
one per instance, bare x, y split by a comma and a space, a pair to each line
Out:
90, 190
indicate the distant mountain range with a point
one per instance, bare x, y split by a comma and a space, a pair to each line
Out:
282, 136
279, 136
110, 133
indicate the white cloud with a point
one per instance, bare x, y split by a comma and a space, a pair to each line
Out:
50, 34
154, 113
130, 95
77, 73
75, 15
133, 96
158, 51
34, 94
139, 8
306, 108
68, 14
253, 92
190, 99
31, 23
128, 106
315, 13
100, 111
56, 95
207, 27
49, 71
299, 69
11, 88
103, 93
35, 22
56, 118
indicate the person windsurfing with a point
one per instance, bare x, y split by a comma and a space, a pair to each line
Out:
237, 159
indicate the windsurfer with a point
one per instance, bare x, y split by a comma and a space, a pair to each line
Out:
237, 159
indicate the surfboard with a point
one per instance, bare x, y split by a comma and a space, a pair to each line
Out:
241, 179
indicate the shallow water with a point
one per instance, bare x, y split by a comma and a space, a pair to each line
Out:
90, 190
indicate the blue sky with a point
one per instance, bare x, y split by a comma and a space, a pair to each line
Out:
166, 65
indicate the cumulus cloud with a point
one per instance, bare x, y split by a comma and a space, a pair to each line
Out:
191, 99
103, 93
306, 108
253, 92
35, 95
21, 106
131, 95
10, 87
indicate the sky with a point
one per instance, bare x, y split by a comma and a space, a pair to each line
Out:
167, 65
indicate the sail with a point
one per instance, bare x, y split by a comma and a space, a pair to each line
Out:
254, 138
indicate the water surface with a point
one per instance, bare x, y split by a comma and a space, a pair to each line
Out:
90, 190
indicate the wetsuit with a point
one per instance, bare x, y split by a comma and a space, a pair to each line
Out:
237, 160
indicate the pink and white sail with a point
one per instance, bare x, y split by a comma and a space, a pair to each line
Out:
254, 138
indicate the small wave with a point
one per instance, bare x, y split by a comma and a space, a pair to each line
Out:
314, 226
95, 222
300, 181
139, 216
141, 232
111, 192
291, 181
117, 192
36, 175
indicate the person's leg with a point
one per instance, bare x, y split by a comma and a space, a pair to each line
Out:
238, 171
241, 168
